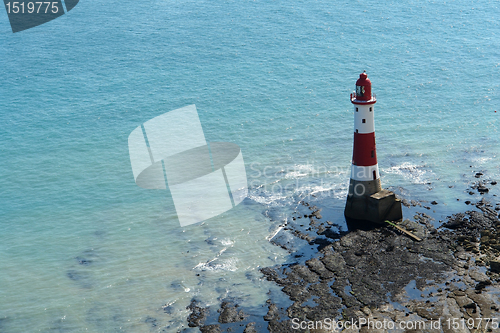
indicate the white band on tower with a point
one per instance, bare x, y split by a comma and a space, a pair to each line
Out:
363, 119
364, 173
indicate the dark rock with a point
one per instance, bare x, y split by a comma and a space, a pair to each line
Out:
329, 233
415, 203
198, 314
479, 174
495, 266
455, 222
316, 214
493, 183
481, 285
210, 329
250, 328
296, 292
273, 313
305, 274
271, 274
317, 266
334, 262
470, 306
482, 189
434, 203
229, 313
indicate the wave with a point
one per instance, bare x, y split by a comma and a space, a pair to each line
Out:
289, 185
416, 174
217, 264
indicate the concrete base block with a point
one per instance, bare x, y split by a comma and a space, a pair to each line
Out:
378, 207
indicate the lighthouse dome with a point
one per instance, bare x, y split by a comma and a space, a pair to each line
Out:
363, 88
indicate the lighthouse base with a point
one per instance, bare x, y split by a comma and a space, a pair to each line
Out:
376, 208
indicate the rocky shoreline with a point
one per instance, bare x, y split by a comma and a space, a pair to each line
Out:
379, 274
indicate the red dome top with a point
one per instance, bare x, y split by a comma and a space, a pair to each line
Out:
363, 88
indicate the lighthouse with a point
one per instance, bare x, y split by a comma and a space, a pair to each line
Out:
366, 200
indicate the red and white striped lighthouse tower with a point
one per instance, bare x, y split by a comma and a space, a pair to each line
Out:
366, 200
364, 171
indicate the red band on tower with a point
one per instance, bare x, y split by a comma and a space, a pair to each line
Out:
364, 151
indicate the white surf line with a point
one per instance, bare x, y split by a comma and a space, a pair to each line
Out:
280, 227
221, 251
211, 260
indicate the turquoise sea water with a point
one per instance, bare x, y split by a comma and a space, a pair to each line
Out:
82, 248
